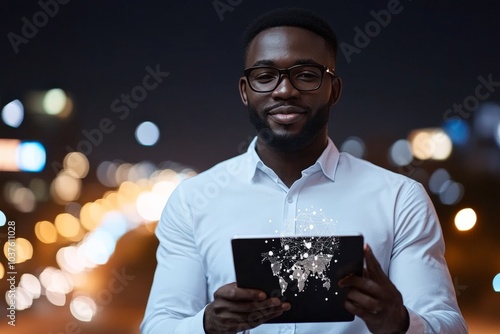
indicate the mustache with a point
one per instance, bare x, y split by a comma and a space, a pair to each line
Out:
266, 110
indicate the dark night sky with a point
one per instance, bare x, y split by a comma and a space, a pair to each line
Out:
426, 59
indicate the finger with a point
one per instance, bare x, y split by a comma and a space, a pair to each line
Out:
363, 284
363, 300
258, 317
373, 268
232, 292
363, 313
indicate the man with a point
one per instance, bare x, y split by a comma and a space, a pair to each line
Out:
289, 86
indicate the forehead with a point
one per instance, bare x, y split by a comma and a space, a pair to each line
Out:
287, 46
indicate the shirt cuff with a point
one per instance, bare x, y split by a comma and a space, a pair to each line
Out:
417, 324
196, 325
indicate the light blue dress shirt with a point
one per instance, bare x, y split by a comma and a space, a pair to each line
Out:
242, 196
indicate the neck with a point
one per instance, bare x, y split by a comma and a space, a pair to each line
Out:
289, 165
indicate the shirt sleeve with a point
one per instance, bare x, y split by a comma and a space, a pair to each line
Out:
178, 295
418, 267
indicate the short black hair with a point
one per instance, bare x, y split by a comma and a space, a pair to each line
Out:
291, 17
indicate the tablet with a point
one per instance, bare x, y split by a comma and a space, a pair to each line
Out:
302, 270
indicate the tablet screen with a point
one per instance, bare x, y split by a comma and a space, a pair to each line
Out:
303, 270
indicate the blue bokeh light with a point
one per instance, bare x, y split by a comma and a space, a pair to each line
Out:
31, 156
458, 130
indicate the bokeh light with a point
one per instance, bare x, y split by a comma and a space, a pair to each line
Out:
56, 298
458, 130
68, 259
497, 135
56, 280
106, 172
9, 189
65, 187
83, 308
2, 271
67, 225
23, 299
437, 179
486, 120
31, 284
77, 163
432, 143
46, 232
24, 200
54, 101
496, 283
400, 153
451, 192
13, 113
8, 152
40, 189
150, 205
354, 146
147, 133
465, 219
3, 218
98, 246
31, 156
23, 249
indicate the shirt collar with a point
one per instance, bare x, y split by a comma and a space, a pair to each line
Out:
327, 162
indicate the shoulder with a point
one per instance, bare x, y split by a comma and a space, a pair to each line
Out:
359, 170
221, 173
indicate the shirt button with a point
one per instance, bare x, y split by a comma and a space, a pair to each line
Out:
290, 199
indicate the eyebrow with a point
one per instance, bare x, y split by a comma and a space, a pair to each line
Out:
268, 62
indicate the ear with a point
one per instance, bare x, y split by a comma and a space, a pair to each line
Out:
336, 90
243, 90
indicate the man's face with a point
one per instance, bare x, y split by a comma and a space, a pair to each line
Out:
288, 119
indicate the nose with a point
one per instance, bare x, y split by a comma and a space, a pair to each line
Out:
285, 89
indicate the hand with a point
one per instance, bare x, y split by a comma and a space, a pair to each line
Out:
235, 309
375, 299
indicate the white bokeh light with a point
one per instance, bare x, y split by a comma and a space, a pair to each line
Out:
54, 101
400, 153
83, 308
465, 219
13, 113
354, 146
147, 133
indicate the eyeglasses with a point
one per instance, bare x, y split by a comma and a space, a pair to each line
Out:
308, 77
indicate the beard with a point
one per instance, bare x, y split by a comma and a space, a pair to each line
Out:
289, 142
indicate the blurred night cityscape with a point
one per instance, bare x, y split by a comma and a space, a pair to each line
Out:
107, 106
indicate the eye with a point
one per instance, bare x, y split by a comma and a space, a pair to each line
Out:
264, 76
307, 75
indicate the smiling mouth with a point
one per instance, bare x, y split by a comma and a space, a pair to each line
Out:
286, 115
286, 118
